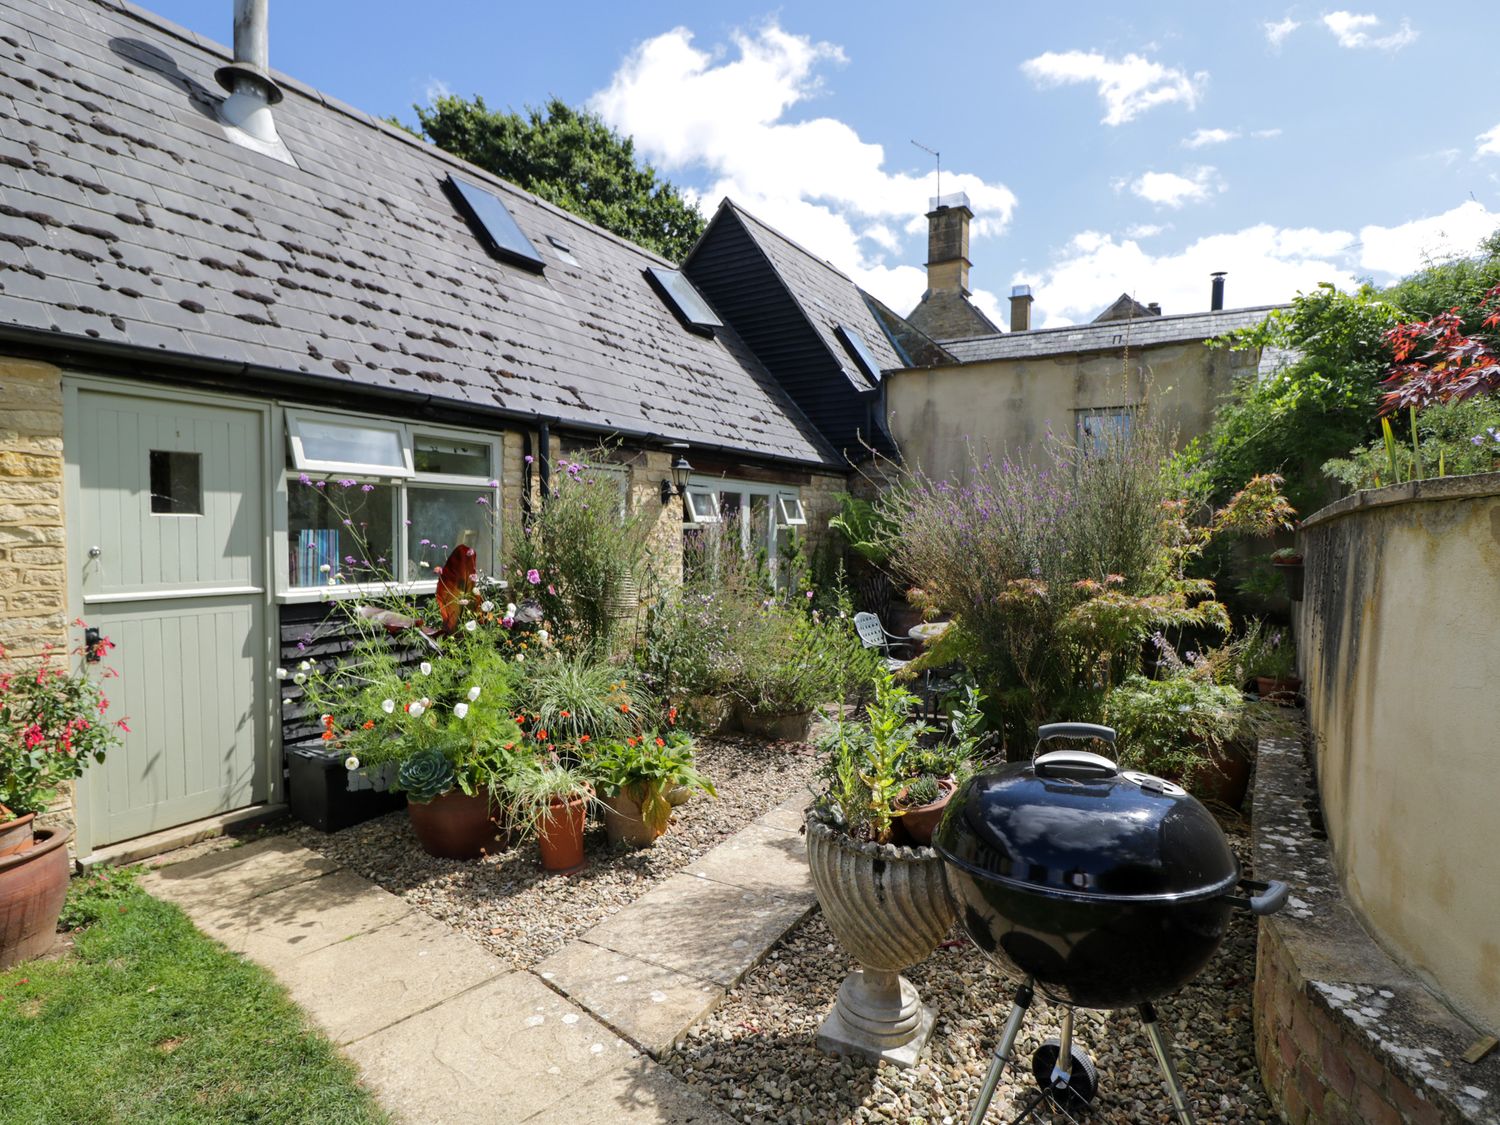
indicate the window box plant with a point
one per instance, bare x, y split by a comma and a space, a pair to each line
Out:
641, 779
52, 727
1288, 563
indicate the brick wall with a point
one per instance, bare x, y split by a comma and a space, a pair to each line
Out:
33, 563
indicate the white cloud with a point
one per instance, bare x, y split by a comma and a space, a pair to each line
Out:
1147, 230
1168, 189
721, 118
1266, 134
1266, 264
436, 88
1203, 137
1489, 143
1409, 246
1277, 32
1355, 30
1127, 86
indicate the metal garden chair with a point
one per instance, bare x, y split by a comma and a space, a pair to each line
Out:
875, 635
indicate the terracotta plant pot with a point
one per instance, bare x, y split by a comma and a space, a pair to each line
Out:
560, 835
15, 835
33, 885
455, 825
792, 727
623, 823
1225, 777
888, 907
1278, 691
920, 822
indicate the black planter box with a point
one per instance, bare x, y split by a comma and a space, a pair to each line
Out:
319, 794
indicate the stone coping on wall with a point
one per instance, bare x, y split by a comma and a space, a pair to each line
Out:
1438, 488
1342, 1032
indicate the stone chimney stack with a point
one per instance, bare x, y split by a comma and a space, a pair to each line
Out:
1020, 308
948, 244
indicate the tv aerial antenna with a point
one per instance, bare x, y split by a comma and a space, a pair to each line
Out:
938, 158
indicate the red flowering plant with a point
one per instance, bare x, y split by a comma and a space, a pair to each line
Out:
52, 726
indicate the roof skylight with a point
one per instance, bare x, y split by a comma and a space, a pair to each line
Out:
497, 224
684, 300
860, 351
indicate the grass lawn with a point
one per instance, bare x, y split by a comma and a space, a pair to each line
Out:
150, 1021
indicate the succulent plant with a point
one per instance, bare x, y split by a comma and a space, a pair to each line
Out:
425, 775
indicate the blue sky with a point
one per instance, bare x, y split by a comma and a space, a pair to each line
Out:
1105, 150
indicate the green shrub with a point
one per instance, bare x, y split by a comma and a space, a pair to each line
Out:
1453, 439
100, 892
1169, 726
574, 696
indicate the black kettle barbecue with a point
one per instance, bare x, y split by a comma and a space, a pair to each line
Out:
1103, 887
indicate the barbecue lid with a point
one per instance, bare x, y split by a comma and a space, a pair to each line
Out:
1072, 822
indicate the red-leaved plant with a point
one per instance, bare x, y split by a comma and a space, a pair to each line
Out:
1437, 361
52, 725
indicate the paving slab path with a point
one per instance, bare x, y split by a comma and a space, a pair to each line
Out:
443, 1031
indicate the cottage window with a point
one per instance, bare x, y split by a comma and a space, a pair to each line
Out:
791, 509
758, 518
397, 504
702, 505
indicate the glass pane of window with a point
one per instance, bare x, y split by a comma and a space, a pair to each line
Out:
703, 506
338, 532
452, 456
791, 510
1097, 429
757, 546
331, 441
444, 518
176, 483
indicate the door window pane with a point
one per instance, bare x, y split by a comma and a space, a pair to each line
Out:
176, 483
452, 456
444, 518
341, 532
334, 443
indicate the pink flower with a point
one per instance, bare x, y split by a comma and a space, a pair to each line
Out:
551, 589
534, 576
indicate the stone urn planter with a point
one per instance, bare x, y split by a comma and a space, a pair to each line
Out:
889, 907
623, 823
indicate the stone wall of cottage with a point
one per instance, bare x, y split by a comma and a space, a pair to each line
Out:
33, 560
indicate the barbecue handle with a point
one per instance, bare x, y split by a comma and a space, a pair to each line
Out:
1075, 730
1270, 898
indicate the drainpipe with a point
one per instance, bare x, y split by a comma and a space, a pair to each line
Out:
526, 460
544, 459
246, 113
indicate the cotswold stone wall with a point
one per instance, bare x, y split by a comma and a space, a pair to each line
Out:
33, 561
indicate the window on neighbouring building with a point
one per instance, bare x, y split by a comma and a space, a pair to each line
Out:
397, 504
1096, 427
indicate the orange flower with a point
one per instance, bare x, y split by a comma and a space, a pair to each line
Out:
624, 708
630, 742
583, 738
369, 724
510, 745
659, 742
541, 734
327, 722
565, 714
328, 736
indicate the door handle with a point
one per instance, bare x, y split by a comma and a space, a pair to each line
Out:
95, 552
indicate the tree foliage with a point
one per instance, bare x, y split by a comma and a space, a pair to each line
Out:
569, 157
1326, 400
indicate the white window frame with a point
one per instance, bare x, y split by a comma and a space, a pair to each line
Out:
283, 421
793, 515
695, 517
302, 463
754, 534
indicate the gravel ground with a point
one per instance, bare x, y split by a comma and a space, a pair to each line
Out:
755, 1057
523, 914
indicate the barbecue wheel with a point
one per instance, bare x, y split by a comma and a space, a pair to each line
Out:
1078, 1095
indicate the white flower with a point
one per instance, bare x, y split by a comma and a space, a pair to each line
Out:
325, 568
487, 606
416, 709
426, 668
471, 624
300, 678
460, 710
281, 673
520, 658
543, 636
510, 609
351, 762
387, 705
305, 666
473, 693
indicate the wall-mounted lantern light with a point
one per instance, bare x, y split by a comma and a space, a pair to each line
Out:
677, 486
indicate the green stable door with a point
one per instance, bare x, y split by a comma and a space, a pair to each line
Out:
167, 545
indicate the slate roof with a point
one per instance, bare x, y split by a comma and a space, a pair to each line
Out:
1109, 336
128, 219
949, 315
827, 296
